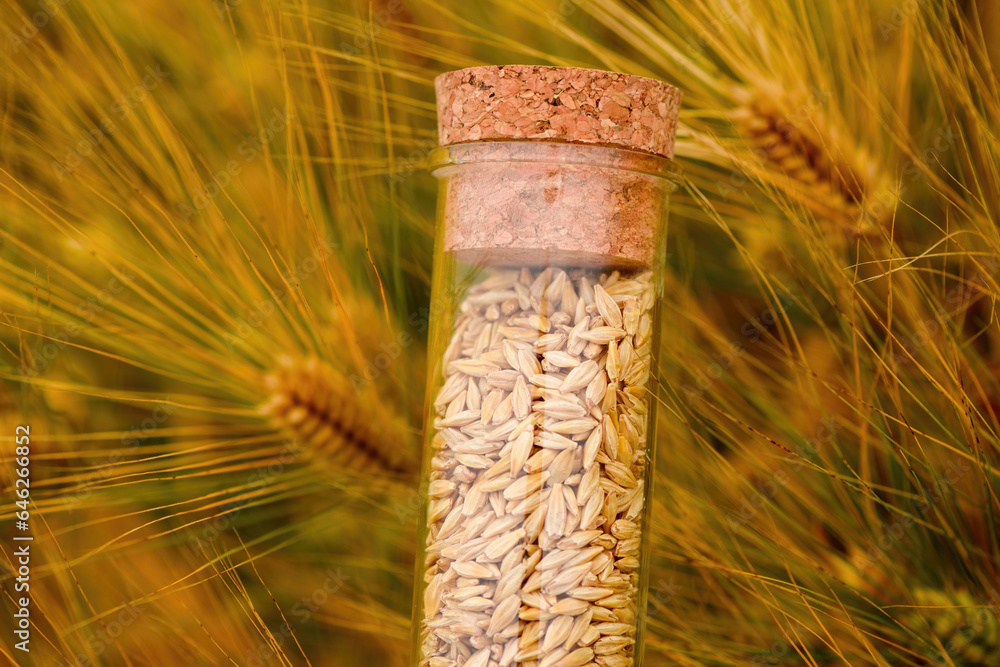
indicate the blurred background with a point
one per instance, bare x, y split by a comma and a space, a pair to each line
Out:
215, 253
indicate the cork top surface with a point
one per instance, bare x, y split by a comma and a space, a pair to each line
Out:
568, 104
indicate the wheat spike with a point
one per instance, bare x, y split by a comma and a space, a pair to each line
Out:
320, 408
834, 185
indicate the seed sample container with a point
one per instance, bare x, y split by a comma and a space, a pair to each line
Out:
551, 233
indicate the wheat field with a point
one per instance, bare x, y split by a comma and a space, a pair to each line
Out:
216, 229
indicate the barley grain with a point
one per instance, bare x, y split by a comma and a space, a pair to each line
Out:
577, 658
480, 659
569, 606
536, 484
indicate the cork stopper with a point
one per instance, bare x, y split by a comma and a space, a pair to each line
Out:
574, 105
553, 166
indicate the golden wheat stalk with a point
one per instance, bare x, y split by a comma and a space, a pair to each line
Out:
326, 415
787, 138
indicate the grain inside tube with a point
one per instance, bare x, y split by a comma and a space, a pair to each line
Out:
549, 252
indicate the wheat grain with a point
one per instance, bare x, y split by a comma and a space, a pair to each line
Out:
537, 476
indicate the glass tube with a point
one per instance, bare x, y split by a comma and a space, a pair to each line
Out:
539, 444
